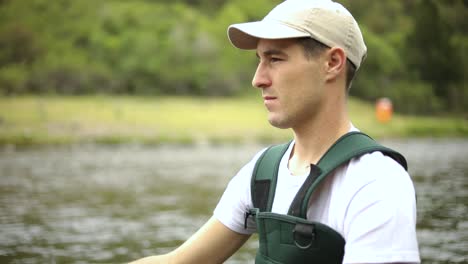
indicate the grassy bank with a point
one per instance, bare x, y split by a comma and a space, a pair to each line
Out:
35, 120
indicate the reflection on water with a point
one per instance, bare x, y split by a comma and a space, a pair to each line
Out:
95, 204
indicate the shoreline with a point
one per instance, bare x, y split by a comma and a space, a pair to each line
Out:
65, 120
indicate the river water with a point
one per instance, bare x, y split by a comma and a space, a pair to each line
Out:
112, 204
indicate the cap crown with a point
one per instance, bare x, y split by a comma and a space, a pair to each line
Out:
325, 21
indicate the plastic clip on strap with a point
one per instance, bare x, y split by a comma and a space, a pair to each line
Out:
246, 216
252, 212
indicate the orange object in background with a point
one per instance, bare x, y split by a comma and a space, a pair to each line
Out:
384, 110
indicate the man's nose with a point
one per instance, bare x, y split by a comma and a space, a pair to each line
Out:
261, 78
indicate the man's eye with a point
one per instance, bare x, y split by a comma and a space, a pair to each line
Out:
274, 59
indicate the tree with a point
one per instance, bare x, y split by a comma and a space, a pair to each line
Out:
431, 54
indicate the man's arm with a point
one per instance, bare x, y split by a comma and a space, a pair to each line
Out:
212, 243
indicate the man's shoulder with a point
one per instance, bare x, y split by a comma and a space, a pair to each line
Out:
375, 177
377, 167
376, 161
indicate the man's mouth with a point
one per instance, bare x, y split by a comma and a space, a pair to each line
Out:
268, 98
269, 101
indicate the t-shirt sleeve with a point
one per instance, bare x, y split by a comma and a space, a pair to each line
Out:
236, 201
380, 223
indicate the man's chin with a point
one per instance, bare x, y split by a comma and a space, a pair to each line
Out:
278, 124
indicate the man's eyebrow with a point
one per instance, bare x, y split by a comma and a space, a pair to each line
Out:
271, 52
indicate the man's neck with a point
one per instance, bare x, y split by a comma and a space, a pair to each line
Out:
314, 139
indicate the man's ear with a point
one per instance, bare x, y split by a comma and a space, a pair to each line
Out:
336, 63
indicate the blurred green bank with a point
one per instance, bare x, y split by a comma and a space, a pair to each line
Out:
35, 120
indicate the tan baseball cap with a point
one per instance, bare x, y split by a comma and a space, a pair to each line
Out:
323, 20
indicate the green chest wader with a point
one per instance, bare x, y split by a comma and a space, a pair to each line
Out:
292, 238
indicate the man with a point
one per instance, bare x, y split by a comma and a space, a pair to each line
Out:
308, 53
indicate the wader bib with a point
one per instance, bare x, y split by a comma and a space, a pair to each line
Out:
292, 238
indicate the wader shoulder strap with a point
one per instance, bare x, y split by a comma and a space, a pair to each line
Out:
264, 177
265, 174
353, 144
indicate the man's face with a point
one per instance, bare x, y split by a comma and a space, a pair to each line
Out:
292, 84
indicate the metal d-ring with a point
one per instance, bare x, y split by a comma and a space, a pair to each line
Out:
304, 230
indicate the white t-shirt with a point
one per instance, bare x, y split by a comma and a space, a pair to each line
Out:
370, 201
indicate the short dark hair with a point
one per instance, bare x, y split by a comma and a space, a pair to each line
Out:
313, 48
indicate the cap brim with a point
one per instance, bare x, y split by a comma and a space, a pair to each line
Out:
246, 35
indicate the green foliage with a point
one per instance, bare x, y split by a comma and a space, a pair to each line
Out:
418, 50
414, 97
435, 64
437, 49
13, 78
18, 45
417, 54
379, 71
